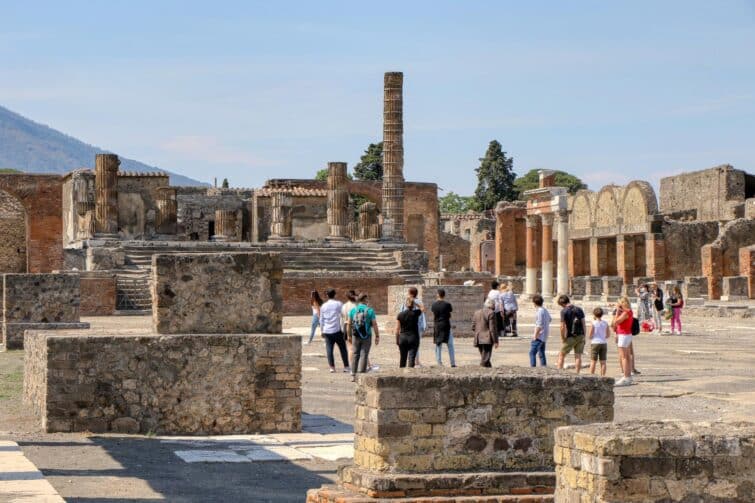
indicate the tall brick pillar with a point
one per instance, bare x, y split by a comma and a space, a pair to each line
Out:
106, 194
167, 210
533, 254
598, 256
546, 249
562, 270
338, 202
747, 268
505, 241
625, 258
282, 224
655, 256
713, 269
393, 157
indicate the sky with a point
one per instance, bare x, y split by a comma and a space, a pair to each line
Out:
609, 91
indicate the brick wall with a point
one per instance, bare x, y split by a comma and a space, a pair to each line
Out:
171, 384
464, 299
98, 294
422, 218
455, 252
724, 188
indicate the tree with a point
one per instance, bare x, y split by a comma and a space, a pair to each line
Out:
495, 179
6, 171
454, 203
531, 180
225, 184
370, 165
322, 175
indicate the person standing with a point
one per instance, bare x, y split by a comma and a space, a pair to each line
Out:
572, 332
494, 295
657, 298
677, 303
622, 327
485, 332
407, 333
509, 309
315, 301
362, 324
542, 327
330, 322
442, 328
351, 303
643, 303
599, 332
414, 294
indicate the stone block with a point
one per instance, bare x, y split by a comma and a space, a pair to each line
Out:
734, 288
612, 287
695, 287
217, 293
577, 287
593, 288
104, 258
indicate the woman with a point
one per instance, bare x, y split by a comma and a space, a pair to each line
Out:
677, 303
622, 327
407, 333
657, 297
315, 301
510, 307
643, 303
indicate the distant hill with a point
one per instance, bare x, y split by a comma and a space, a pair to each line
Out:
35, 148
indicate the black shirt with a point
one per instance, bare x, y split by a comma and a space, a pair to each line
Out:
409, 321
568, 314
442, 311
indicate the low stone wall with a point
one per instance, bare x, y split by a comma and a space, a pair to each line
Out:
98, 294
464, 299
734, 288
656, 462
172, 384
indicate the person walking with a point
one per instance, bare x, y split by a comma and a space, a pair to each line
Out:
599, 332
362, 324
657, 298
351, 303
622, 327
315, 301
414, 294
542, 328
572, 332
677, 303
407, 333
509, 309
485, 332
442, 328
494, 295
330, 323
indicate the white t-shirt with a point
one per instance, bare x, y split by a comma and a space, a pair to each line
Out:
494, 296
345, 310
330, 316
543, 320
599, 333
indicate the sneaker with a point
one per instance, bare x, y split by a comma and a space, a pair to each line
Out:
623, 382
375, 367
306, 342
636, 372
346, 370
332, 370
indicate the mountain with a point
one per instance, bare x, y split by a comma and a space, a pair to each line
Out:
35, 148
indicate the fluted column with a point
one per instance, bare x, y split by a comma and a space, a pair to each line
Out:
562, 274
106, 193
225, 225
393, 157
167, 210
282, 226
369, 227
338, 202
533, 259
546, 289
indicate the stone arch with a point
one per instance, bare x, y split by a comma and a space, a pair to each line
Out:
639, 202
372, 191
13, 229
606, 211
581, 211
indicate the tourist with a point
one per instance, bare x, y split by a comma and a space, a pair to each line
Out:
542, 328
351, 303
510, 307
572, 332
362, 324
315, 301
494, 295
677, 303
442, 328
414, 294
599, 332
657, 298
643, 303
485, 332
407, 333
330, 323
622, 327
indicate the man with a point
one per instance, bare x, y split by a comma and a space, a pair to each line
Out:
572, 332
485, 332
494, 295
540, 337
414, 294
442, 327
362, 323
330, 323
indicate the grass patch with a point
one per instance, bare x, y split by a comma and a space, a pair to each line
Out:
11, 375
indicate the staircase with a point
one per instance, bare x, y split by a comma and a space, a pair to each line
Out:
132, 290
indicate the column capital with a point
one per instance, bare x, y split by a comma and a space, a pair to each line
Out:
532, 220
547, 219
563, 216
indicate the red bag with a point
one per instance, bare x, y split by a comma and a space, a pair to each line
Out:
647, 326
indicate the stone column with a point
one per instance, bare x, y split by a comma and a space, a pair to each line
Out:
505, 240
338, 202
282, 225
546, 288
106, 194
225, 225
393, 157
533, 259
655, 256
369, 227
86, 226
562, 278
167, 210
625, 258
712, 263
598, 256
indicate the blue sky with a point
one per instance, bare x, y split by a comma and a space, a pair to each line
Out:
610, 91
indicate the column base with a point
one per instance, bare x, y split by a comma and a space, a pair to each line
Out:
280, 239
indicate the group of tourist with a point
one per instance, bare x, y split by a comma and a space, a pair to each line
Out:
652, 310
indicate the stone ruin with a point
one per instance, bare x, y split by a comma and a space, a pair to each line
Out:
198, 376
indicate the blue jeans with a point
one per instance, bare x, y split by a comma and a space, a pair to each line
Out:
451, 354
537, 347
315, 324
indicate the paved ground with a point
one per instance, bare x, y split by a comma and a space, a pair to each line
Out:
707, 374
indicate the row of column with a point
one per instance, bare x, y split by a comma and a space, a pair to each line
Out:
540, 253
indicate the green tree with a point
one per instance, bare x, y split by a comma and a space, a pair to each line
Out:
370, 165
225, 184
531, 180
454, 203
322, 175
495, 179
7, 171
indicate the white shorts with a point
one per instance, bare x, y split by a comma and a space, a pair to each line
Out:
625, 341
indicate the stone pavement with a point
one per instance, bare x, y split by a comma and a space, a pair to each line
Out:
20, 481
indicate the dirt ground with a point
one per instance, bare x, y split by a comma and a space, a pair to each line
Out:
707, 374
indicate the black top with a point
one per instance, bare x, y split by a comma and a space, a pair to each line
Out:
568, 314
442, 322
658, 299
409, 321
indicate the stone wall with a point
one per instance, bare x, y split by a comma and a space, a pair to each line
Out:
716, 193
174, 384
471, 419
13, 232
465, 300
98, 294
683, 243
218, 293
137, 203
656, 462
454, 251
422, 219
196, 208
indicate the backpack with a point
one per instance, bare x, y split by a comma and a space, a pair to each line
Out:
577, 327
635, 326
360, 322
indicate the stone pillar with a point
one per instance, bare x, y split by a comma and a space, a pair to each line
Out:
713, 269
505, 240
747, 268
393, 156
546, 288
369, 227
225, 226
86, 212
338, 202
533, 259
625, 258
598, 256
167, 210
655, 256
562, 278
282, 225
106, 193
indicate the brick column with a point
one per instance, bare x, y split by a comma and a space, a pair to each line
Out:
598, 256
655, 256
625, 258
533, 257
546, 248
505, 241
106, 194
393, 156
562, 274
747, 268
338, 202
712, 262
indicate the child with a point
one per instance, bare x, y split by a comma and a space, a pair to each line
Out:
542, 323
677, 303
599, 332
